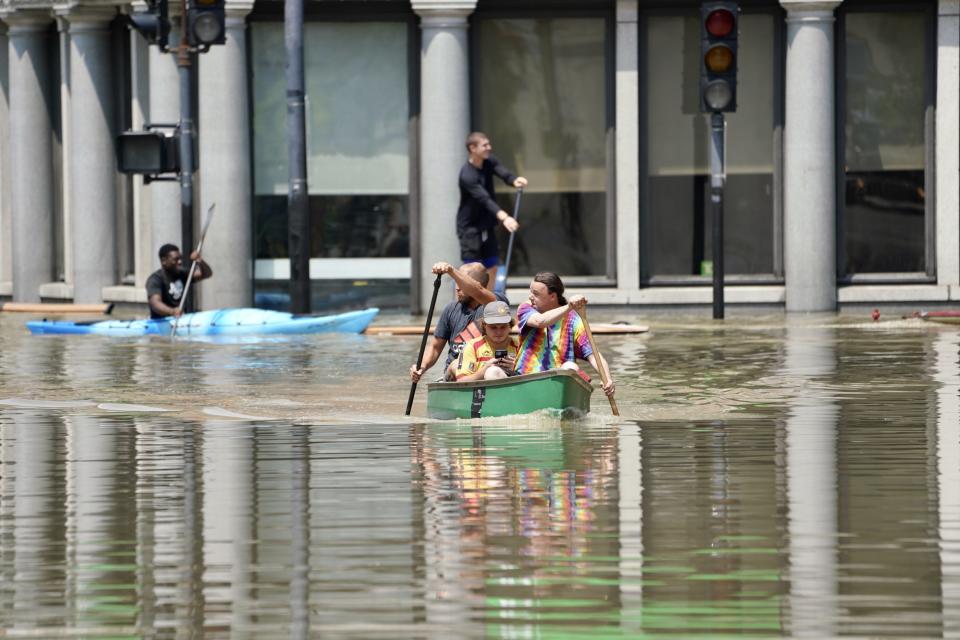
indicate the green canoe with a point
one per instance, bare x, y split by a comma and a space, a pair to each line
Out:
560, 390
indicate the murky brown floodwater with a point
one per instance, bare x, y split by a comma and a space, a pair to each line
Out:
769, 476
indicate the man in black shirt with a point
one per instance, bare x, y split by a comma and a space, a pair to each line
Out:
165, 285
457, 320
479, 214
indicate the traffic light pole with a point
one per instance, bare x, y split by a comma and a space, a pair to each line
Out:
718, 179
298, 204
185, 71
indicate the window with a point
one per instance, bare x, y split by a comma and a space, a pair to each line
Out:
676, 227
541, 93
358, 159
885, 97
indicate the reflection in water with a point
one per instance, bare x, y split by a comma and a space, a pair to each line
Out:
35, 552
812, 483
227, 527
630, 516
785, 480
947, 372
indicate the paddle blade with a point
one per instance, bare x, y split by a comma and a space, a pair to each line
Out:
500, 286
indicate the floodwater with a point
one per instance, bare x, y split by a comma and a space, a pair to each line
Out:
768, 476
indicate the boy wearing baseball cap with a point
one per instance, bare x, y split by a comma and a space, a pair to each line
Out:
492, 355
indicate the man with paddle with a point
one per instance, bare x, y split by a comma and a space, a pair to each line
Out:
479, 214
166, 285
457, 322
554, 332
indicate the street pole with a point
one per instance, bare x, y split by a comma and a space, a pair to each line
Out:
298, 210
185, 71
718, 180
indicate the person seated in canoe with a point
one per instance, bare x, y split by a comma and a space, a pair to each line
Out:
165, 285
493, 355
552, 334
458, 320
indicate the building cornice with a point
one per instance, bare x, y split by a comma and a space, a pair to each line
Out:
443, 13
86, 17
810, 6
23, 20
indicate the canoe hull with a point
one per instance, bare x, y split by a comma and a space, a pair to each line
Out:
560, 390
223, 322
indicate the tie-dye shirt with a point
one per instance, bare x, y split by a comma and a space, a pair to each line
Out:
548, 348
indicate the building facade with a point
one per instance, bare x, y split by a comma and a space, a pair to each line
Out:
843, 157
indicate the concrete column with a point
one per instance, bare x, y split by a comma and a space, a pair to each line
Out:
947, 191
145, 260
64, 179
6, 258
810, 209
164, 109
224, 176
628, 146
91, 157
444, 125
31, 154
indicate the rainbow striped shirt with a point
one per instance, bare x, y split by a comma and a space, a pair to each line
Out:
548, 348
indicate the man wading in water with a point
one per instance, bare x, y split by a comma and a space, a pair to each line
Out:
479, 214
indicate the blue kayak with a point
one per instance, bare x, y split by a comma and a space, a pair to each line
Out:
222, 322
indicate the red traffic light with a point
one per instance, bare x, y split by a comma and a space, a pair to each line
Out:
720, 23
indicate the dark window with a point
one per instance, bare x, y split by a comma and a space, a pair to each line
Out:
884, 102
358, 154
541, 94
676, 234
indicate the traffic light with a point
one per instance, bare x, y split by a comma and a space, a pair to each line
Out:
206, 20
718, 56
153, 24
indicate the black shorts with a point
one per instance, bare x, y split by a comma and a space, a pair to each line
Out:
475, 248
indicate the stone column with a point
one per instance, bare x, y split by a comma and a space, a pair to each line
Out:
31, 153
6, 259
628, 146
164, 109
61, 166
810, 210
224, 176
947, 190
91, 157
444, 125
145, 262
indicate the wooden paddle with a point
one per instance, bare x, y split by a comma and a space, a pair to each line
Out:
602, 369
423, 343
193, 267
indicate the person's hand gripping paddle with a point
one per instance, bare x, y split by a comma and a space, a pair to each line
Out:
423, 342
501, 284
193, 267
600, 362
